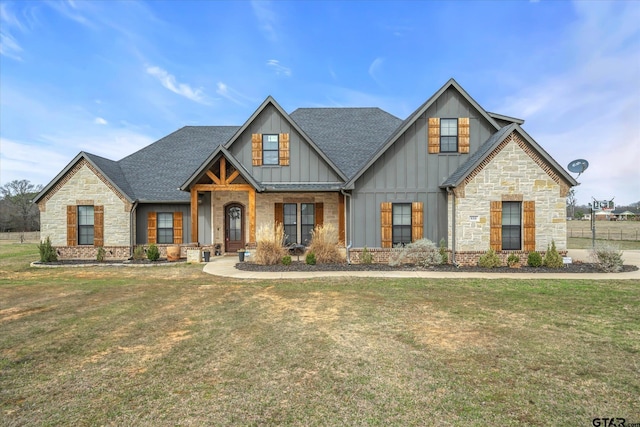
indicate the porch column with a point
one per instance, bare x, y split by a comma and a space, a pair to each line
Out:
252, 215
194, 215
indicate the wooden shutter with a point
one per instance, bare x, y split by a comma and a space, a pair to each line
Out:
341, 228
529, 225
284, 149
152, 227
98, 226
256, 149
319, 214
434, 135
417, 219
463, 135
386, 224
278, 213
177, 228
72, 225
495, 236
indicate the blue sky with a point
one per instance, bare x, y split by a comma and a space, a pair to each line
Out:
110, 77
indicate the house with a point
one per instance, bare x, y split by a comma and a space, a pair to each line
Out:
623, 215
451, 170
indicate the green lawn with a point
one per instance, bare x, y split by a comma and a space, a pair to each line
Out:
173, 346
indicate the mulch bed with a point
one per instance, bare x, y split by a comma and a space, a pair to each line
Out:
576, 267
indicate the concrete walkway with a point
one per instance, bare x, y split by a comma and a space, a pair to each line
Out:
225, 266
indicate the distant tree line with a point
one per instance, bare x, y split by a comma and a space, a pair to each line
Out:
17, 210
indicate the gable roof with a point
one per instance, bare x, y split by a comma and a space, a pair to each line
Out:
458, 176
217, 153
270, 101
109, 169
349, 136
409, 121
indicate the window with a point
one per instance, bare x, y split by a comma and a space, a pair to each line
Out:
307, 221
270, 154
511, 225
401, 223
448, 135
290, 223
165, 228
85, 225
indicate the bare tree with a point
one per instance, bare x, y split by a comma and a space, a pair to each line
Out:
22, 214
571, 203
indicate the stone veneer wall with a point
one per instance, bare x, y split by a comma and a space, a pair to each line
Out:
83, 186
513, 173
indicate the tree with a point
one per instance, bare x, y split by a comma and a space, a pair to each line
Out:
20, 213
571, 203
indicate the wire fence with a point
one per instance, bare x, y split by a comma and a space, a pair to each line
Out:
607, 234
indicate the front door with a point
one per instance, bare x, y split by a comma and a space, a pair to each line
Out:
234, 227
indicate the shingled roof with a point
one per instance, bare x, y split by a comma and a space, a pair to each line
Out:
348, 136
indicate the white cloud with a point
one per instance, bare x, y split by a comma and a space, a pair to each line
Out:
591, 109
100, 121
169, 81
267, 18
374, 69
278, 68
232, 95
9, 46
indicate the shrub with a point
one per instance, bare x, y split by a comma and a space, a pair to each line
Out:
101, 254
138, 253
552, 258
534, 259
153, 253
270, 249
310, 259
47, 252
367, 256
608, 257
489, 260
443, 252
286, 260
422, 252
512, 260
324, 244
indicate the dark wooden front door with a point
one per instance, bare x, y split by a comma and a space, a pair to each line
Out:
234, 227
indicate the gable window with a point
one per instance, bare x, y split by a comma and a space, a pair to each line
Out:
165, 228
85, 225
290, 223
511, 225
401, 234
307, 221
270, 152
448, 135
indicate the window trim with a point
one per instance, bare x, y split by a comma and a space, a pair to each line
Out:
89, 242
407, 228
442, 135
265, 136
158, 228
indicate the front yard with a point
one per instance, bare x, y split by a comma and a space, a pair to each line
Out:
174, 346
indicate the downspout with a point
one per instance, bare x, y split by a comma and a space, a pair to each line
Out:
347, 224
453, 226
132, 238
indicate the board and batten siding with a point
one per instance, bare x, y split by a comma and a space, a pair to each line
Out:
305, 165
406, 172
142, 218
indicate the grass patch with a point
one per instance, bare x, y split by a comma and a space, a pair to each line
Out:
172, 345
584, 243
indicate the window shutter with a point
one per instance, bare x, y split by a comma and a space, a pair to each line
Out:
463, 135
529, 225
495, 236
284, 149
152, 227
177, 228
417, 218
386, 224
434, 135
98, 226
72, 225
278, 214
256, 149
319, 214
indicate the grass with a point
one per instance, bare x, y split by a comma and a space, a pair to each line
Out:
173, 346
